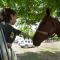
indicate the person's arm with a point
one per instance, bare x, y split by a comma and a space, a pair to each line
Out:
20, 33
17, 32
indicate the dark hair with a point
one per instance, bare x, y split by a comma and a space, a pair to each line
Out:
6, 13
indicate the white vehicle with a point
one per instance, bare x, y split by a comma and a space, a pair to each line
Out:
26, 43
17, 39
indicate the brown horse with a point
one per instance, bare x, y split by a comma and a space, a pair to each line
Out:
47, 27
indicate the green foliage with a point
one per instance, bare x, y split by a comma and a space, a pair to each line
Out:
31, 11
27, 29
55, 37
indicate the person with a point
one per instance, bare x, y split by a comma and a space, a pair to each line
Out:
8, 18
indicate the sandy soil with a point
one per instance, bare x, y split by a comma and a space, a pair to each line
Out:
46, 51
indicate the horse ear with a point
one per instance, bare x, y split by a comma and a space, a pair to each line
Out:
47, 11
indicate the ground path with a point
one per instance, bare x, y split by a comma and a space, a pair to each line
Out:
46, 51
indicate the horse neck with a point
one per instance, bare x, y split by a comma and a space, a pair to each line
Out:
57, 27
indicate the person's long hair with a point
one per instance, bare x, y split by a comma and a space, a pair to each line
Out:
6, 13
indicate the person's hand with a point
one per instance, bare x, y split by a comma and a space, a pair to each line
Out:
25, 35
9, 45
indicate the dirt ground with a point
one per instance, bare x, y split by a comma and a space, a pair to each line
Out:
46, 51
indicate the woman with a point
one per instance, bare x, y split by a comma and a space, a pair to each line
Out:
8, 18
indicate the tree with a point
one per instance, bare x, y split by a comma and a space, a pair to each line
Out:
31, 11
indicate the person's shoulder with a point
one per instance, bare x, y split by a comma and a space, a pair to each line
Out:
8, 26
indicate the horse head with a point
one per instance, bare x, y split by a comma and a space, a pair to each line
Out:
46, 28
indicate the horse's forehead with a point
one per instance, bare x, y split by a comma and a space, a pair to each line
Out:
46, 20
47, 25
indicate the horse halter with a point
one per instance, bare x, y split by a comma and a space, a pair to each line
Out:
43, 32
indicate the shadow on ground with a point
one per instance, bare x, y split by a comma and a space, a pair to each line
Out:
41, 55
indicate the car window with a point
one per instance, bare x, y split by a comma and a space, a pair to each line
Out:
31, 42
28, 41
25, 41
21, 41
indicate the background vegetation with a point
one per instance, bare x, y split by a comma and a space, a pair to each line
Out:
30, 12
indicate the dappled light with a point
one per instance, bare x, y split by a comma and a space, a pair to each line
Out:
46, 51
42, 55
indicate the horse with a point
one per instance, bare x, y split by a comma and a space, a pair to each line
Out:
46, 28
